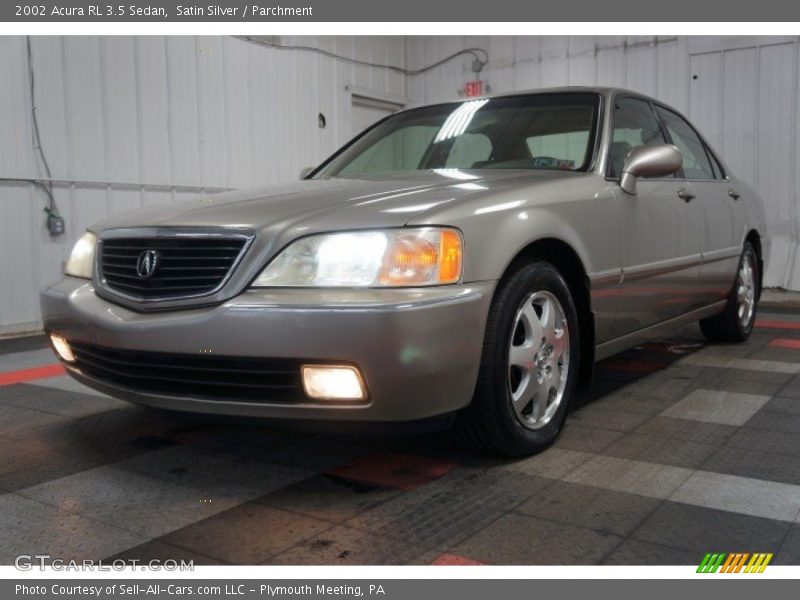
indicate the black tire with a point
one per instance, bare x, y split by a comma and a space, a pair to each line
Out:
727, 326
490, 424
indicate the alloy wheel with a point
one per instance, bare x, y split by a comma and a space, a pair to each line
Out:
538, 359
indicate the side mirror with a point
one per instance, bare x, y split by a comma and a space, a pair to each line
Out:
306, 172
649, 161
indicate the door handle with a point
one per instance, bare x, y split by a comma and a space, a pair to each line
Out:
734, 194
685, 195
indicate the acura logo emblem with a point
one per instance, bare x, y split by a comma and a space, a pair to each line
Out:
147, 263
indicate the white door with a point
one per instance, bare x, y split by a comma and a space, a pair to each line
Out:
367, 111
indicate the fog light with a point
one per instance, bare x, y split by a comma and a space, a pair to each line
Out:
62, 348
324, 382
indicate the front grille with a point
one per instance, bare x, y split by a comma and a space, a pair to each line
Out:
184, 266
254, 380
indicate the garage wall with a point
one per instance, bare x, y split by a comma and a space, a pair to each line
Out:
741, 92
127, 122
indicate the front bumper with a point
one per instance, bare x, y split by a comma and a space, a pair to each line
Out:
418, 349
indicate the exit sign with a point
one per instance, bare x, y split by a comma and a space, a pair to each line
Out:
473, 88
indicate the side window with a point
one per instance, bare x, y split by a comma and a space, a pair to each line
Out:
696, 164
634, 125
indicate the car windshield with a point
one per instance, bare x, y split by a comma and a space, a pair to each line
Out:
540, 131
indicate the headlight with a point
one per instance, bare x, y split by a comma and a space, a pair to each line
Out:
388, 258
81, 261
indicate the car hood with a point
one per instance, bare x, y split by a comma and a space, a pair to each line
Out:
331, 204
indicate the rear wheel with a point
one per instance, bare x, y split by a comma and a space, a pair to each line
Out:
529, 365
736, 323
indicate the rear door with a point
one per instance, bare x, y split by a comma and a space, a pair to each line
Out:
660, 228
722, 216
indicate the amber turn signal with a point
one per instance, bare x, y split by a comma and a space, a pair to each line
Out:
424, 257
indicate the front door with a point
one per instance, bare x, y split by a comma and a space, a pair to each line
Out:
660, 229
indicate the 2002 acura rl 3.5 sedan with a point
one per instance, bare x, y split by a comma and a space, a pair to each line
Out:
471, 258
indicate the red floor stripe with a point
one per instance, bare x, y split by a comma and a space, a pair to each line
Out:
24, 375
399, 471
784, 343
768, 324
455, 559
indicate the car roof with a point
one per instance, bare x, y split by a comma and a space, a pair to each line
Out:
606, 92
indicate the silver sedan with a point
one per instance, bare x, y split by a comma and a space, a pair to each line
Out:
471, 259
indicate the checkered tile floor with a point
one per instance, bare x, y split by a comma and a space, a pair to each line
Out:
679, 449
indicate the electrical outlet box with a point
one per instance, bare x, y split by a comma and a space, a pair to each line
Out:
55, 224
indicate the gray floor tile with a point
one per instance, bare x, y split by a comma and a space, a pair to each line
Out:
132, 501
521, 540
246, 535
234, 438
769, 466
776, 354
739, 376
34, 466
214, 471
596, 415
160, 551
765, 440
17, 422
103, 429
744, 386
669, 387
783, 403
659, 450
347, 546
771, 366
791, 391
711, 406
553, 463
58, 402
315, 454
776, 421
789, 552
687, 429
708, 530
591, 507
29, 359
628, 400
580, 438
326, 497
635, 552
68, 384
630, 476
449, 509
30, 527
754, 497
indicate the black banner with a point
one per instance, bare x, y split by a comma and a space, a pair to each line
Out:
732, 588
407, 11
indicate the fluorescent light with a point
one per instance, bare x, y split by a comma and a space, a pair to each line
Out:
458, 120
324, 382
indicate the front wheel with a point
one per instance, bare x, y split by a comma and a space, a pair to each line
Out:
529, 365
735, 324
